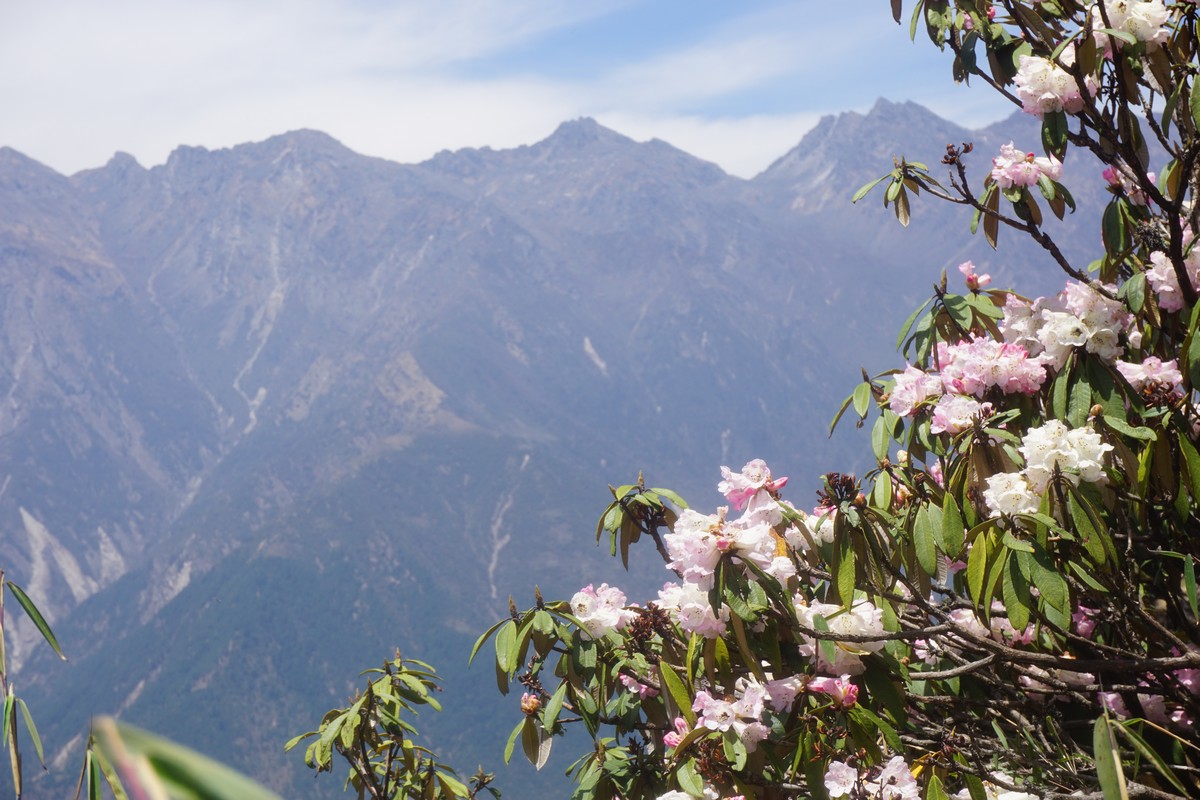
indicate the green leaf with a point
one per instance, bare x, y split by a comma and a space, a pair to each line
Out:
1112, 228
675, 499
535, 743
174, 770
506, 645
512, 740
842, 410
881, 438
689, 779
679, 693
953, 528
1108, 761
862, 399
1015, 590
1083, 522
1124, 428
976, 567
908, 323
483, 638
1080, 403
1189, 583
554, 707
32, 729
934, 790
1054, 134
38, 620
867, 187
846, 573
1149, 753
923, 541
827, 647
1192, 458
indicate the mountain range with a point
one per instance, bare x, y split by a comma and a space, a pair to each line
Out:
269, 412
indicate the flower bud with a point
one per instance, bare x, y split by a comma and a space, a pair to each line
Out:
530, 704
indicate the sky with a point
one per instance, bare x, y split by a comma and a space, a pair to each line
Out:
736, 82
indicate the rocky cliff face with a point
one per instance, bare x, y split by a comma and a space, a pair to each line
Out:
268, 412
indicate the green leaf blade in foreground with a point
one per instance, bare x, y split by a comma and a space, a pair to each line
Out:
1108, 761
38, 620
158, 767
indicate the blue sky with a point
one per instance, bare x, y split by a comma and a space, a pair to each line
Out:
737, 82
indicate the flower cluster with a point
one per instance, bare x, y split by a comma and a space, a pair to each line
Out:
601, 611
1165, 281
740, 714
1050, 328
894, 781
968, 370
1044, 86
863, 621
1052, 449
1144, 20
1014, 168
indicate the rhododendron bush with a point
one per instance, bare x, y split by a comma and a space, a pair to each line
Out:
1005, 606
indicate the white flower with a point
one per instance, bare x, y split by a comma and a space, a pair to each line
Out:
863, 619
840, 779
1077, 454
895, 782
1144, 20
1043, 86
1009, 493
688, 604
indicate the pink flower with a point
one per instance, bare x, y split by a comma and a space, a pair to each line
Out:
755, 476
1152, 370
955, 413
637, 687
843, 693
1084, 621
1043, 86
1121, 182
913, 387
1015, 168
974, 282
601, 611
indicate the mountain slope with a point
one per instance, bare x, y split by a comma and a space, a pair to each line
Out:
354, 405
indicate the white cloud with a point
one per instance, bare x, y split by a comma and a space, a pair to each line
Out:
80, 80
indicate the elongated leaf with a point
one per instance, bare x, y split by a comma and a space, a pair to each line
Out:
1108, 761
953, 528
1189, 583
32, 730
506, 645
675, 687
842, 410
1150, 754
38, 620
689, 779
862, 399
672, 496
554, 707
977, 566
867, 187
923, 541
174, 771
512, 740
1015, 590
